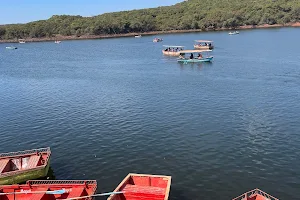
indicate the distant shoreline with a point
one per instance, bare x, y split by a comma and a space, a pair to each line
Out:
87, 37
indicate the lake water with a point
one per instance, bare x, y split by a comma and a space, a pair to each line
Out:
110, 107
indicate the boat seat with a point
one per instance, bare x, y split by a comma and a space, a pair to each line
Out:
76, 192
145, 192
33, 161
39, 196
3, 164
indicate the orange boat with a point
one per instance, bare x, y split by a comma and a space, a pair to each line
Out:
143, 186
255, 194
49, 190
21, 166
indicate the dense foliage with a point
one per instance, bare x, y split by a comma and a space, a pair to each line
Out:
191, 14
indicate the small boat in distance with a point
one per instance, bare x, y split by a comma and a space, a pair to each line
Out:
18, 167
22, 41
12, 48
143, 186
49, 190
172, 50
138, 36
57, 42
234, 33
194, 59
255, 194
157, 40
203, 44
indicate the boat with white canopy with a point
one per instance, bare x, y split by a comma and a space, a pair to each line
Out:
195, 59
170, 50
203, 44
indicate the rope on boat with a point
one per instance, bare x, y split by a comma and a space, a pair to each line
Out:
36, 192
95, 195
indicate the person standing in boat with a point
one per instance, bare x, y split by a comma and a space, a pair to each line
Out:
192, 56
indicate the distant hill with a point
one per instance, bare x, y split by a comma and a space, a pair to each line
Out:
191, 14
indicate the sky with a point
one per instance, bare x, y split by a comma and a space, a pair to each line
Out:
22, 11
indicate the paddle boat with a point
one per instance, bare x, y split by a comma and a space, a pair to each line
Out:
143, 186
49, 190
234, 33
18, 167
11, 48
203, 44
255, 194
157, 40
22, 41
57, 42
172, 50
138, 36
198, 59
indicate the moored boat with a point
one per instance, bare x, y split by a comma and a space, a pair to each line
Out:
157, 40
255, 194
143, 186
204, 44
22, 41
12, 48
57, 42
172, 50
138, 36
234, 33
18, 167
193, 59
49, 190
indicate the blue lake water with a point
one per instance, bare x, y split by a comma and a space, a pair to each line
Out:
110, 107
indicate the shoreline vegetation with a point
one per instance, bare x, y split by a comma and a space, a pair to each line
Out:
108, 36
187, 16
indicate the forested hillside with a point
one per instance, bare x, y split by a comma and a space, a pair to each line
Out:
191, 14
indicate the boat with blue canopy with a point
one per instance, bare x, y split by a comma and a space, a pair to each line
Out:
195, 59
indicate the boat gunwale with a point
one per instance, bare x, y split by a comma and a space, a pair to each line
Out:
169, 178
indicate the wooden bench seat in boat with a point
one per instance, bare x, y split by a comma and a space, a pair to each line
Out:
3, 164
33, 161
147, 192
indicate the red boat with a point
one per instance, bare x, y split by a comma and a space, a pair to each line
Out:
143, 186
48, 190
21, 166
255, 194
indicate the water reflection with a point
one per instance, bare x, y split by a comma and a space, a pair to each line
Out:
198, 66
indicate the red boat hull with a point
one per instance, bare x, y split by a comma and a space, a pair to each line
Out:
255, 194
45, 190
143, 186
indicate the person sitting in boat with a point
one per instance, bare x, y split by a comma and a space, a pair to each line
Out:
181, 56
205, 44
166, 49
209, 44
200, 56
192, 56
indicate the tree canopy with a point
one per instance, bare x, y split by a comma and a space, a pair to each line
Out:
191, 14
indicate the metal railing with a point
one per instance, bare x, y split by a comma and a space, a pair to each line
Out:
255, 192
26, 152
61, 182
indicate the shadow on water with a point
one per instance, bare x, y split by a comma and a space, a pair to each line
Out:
50, 175
198, 66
